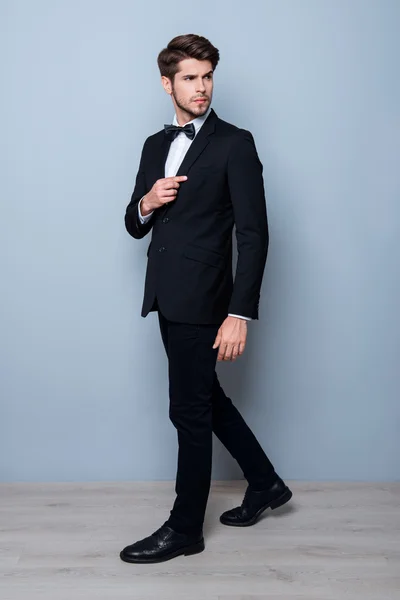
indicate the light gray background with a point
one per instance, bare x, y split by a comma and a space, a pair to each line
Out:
84, 390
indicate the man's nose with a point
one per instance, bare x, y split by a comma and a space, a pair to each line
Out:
200, 86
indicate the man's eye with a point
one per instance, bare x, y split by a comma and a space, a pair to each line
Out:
189, 78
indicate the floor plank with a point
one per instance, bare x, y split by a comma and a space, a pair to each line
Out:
332, 540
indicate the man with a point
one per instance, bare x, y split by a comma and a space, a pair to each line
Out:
197, 178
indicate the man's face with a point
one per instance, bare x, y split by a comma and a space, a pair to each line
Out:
194, 81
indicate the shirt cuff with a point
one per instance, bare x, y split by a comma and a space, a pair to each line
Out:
145, 218
240, 317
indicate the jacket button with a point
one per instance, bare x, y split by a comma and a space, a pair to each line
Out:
162, 249
165, 220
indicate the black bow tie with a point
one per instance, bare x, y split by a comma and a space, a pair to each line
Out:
171, 131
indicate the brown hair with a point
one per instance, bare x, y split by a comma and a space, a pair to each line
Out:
186, 46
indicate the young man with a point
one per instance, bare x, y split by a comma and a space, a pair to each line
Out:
197, 178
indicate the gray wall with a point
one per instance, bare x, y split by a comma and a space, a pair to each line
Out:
83, 376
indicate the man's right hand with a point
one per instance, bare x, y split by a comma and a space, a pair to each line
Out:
163, 191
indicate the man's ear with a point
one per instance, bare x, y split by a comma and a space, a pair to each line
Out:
166, 83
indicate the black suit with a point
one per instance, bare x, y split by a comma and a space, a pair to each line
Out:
189, 266
189, 282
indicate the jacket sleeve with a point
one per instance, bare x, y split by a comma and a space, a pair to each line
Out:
132, 222
246, 187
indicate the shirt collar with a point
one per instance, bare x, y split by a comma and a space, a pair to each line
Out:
197, 122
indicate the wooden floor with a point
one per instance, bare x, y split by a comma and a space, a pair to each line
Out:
336, 541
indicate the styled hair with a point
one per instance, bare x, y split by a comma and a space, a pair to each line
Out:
186, 46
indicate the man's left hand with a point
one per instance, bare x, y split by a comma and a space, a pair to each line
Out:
231, 338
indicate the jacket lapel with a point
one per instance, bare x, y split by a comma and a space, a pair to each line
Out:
199, 144
165, 146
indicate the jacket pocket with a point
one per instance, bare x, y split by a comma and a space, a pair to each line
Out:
204, 255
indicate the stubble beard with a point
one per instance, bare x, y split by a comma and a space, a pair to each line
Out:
202, 108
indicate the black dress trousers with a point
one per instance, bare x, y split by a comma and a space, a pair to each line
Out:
198, 407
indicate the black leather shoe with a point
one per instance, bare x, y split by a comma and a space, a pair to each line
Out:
163, 544
254, 503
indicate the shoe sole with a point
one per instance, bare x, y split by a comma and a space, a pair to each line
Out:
285, 497
186, 551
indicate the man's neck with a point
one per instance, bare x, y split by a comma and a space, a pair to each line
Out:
183, 117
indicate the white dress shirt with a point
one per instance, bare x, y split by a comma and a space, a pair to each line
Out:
179, 147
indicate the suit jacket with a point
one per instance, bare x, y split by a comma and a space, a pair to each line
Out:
189, 257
